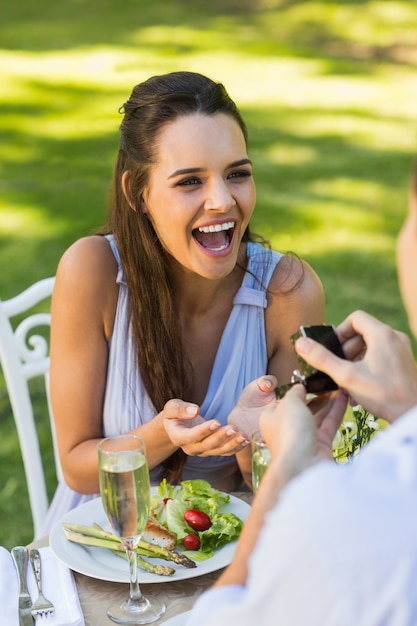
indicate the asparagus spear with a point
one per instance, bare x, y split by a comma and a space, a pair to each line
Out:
144, 548
115, 546
158, 552
161, 570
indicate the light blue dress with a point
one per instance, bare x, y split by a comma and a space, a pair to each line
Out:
241, 357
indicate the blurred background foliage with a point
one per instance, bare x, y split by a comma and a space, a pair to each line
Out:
328, 90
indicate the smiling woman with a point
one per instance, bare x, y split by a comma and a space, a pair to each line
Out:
201, 210
148, 316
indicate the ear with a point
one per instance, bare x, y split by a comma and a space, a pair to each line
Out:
143, 206
126, 189
127, 193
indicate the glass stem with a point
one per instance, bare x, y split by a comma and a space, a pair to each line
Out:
136, 600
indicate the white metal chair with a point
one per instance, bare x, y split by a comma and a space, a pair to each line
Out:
23, 356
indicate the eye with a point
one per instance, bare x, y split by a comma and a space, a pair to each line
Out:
188, 181
240, 174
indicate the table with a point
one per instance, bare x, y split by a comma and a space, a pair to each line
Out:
95, 595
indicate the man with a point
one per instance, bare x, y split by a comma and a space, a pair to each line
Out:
328, 544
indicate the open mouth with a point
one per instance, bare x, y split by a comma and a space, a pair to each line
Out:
216, 237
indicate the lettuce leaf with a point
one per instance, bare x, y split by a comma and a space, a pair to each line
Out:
197, 555
224, 528
176, 524
170, 503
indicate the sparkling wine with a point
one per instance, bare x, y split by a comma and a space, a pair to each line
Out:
125, 492
260, 461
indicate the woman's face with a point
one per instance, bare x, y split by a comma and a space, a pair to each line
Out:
201, 193
407, 263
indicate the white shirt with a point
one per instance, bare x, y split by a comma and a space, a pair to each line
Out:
338, 549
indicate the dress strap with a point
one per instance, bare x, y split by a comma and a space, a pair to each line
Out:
247, 295
120, 273
261, 265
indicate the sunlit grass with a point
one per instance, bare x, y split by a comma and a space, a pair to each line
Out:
18, 221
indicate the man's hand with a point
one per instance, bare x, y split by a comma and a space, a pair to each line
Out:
299, 432
379, 373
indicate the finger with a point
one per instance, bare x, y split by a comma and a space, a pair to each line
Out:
296, 406
227, 438
354, 348
226, 442
230, 448
317, 403
333, 411
282, 410
357, 323
267, 383
365, 326
182, 432
322, 359
360, 330
296, 391
178, 409
329, 423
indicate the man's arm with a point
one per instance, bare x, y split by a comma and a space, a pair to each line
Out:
297, 439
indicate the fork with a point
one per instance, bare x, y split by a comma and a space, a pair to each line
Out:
42, 606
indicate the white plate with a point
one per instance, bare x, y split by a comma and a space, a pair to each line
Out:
101, 563
178, 620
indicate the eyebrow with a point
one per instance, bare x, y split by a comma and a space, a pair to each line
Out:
195, 170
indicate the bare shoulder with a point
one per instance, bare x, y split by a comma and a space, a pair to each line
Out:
295, 298
295, 279
86, 281
89, 256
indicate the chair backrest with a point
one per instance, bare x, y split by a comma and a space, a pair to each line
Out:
23, 356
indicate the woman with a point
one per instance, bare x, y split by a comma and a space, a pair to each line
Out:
160, 321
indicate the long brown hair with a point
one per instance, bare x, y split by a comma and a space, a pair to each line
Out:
161, 358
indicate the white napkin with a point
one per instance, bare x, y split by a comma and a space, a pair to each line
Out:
58, 586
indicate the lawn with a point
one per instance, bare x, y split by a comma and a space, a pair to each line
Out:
328, 90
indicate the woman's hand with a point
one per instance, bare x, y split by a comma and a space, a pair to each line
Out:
197, 437
253, 399
379, 371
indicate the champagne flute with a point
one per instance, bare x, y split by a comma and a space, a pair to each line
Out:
125, 493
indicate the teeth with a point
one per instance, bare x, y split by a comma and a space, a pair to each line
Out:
215, 228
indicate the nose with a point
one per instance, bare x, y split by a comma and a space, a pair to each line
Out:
219, 197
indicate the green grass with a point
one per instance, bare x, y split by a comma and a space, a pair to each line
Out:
328, 90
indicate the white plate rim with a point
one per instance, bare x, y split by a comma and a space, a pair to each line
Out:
101, 564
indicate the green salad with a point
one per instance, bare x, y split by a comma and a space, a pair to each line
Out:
192, 512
